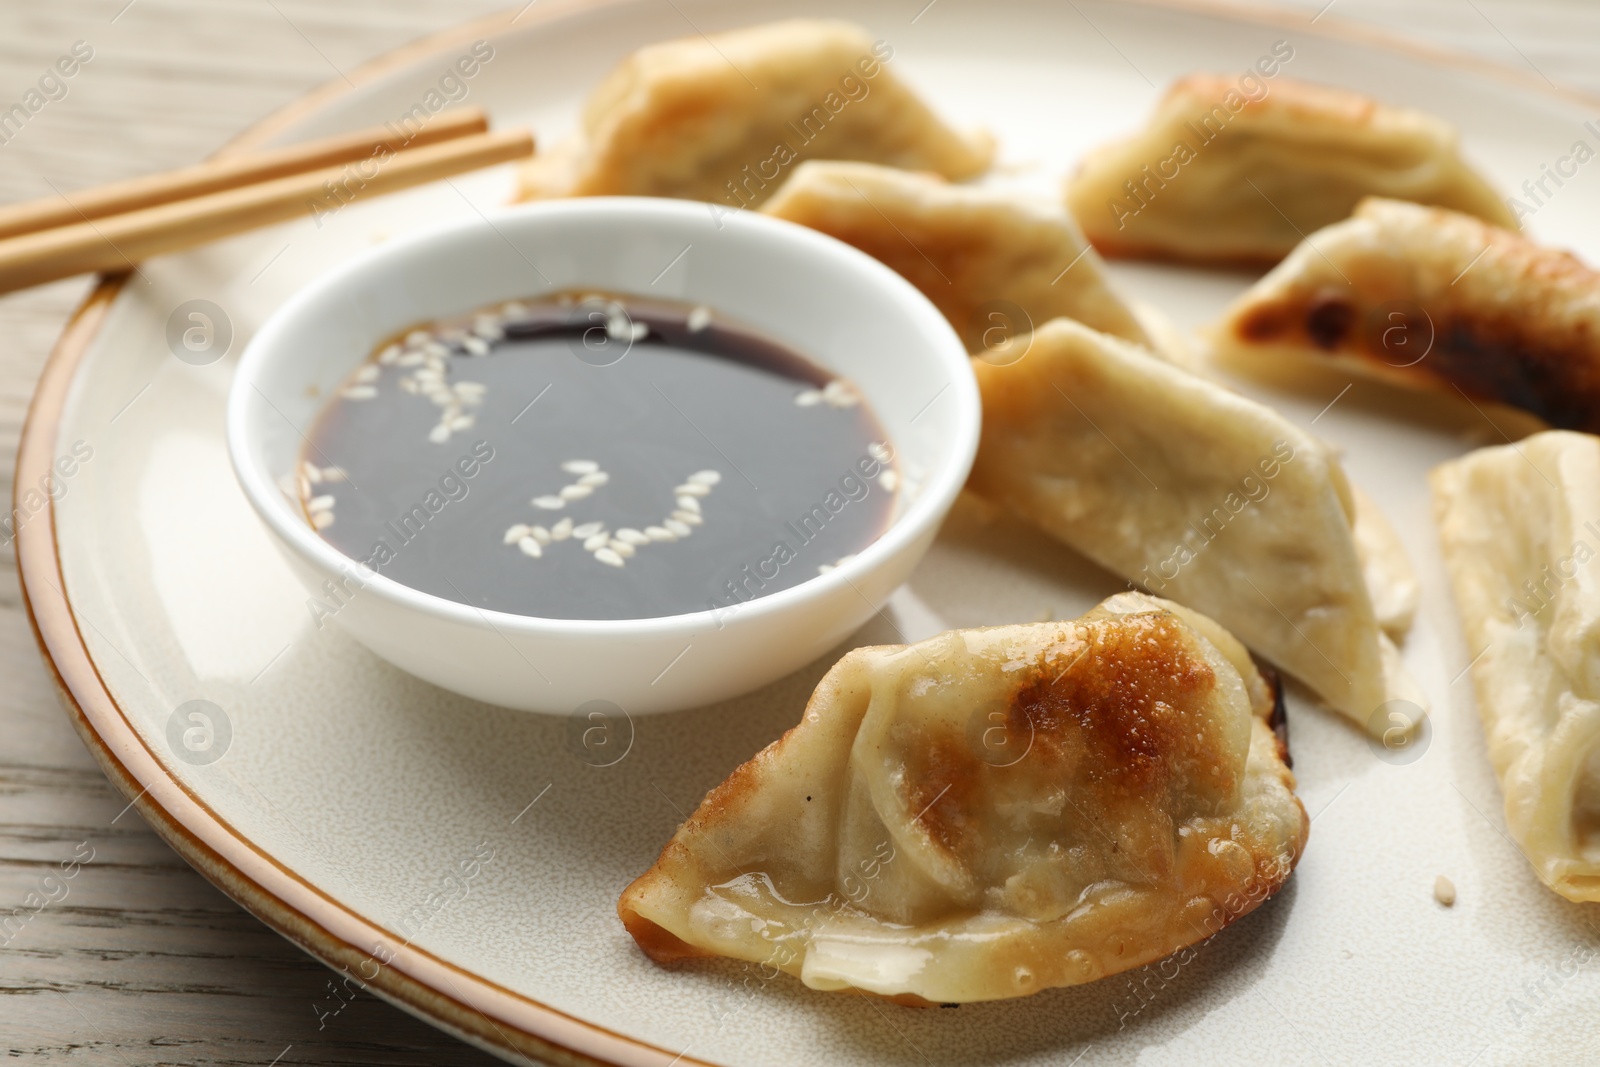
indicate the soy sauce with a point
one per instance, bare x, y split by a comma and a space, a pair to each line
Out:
596, 456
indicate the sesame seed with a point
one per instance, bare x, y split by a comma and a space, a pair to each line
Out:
471, 388
689, 517
369, 373
608, 557
621, 548
539, 534
841, 393
304, 485
595, 478
549, 503
580, 466
436, 350
389, 355
677, 526
321, 520
333, 474
810, 398
879, 451
588, 529
320, 503
360, 392
439, 434
629, 535
638, 331
825, 568
516, 533
462, 422
659, 533
310, 473
514, 309
705, 477
475, 346
418, 338
689, 503
530, 547
598, 541
561, 530
699, 318
1444, 891
889, 479
410, 359
692, 489
576, 492
409, 385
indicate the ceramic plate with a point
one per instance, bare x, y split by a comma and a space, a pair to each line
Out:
464, 860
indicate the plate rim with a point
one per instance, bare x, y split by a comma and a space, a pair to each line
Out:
466, 1005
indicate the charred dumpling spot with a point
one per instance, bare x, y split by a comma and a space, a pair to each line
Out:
1493, 359
1132, 701
1328, 321
1264, 322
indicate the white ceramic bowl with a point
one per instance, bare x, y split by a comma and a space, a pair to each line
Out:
829, 301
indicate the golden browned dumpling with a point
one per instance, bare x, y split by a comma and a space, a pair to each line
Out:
1198, 494
990, 813
980, 255
1222, 177
724, 118
1520, 525
1435, 300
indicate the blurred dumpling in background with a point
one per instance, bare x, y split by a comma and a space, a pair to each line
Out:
1219, 176
1432, 300
979, 254
724, 118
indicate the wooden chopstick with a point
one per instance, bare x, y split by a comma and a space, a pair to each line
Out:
117, 242
212, 177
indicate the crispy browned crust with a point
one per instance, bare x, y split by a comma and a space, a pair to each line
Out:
1151, 252
1287, 137
1520, 325
1290, 99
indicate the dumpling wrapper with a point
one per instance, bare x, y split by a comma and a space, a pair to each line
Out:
1216, 177
1196, 493
1520, 542
1431, 300
992, 812
1391, 583
722, 118
968, 249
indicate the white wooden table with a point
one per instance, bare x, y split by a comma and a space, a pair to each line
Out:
143, 961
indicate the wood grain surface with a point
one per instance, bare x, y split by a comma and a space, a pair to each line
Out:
112, 950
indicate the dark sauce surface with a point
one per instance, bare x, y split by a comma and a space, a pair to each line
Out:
628, 398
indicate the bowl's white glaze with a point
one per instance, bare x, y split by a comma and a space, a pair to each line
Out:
828, 300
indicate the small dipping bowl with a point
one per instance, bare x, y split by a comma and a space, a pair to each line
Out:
839, 307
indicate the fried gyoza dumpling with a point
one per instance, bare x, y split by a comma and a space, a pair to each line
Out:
723, 118
1519, 544
1221, 176
1433, 300
978, 254
990, 813
1196, 493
